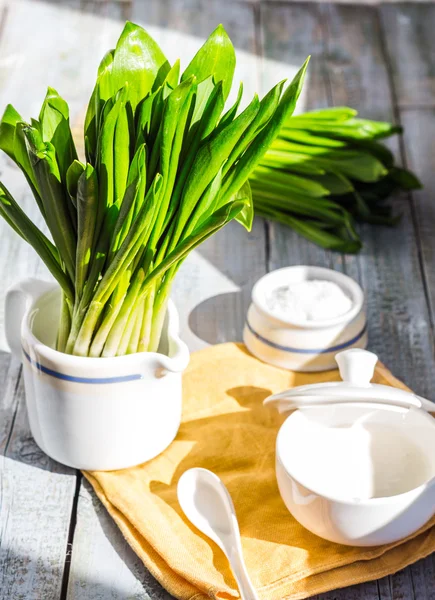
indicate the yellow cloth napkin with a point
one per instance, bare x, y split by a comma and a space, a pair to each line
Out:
226, 429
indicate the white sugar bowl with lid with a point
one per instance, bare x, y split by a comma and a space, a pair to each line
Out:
355, 461
301, 316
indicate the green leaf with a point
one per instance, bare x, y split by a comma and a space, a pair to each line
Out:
121, 154
337, 184
246, 216
138, 61
216, 58
173, 75
101, 93
107, 89
132, 201
257, 149
324, 210
288, 182
337, 113
204, 230
54, 127
356, 165
232, 112
268, 106
357, 129
8, 124
105, 166
10, 210
23, 160
72, 177
201, 128
12, 142
326, 239
58, 217
405, 179
377, 149
207, 204
209, 159
175, 117
139, 231
306, 137
204, 93
87, 209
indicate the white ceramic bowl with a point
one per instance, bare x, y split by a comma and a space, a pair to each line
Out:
355, 461
303, 345
94, 413
394, 453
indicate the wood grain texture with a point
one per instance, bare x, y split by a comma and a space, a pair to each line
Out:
411, 49
103, 564
351, 2
414, 76
289, 33
37, 497
419, 131
349, 67
389, 266
36, 493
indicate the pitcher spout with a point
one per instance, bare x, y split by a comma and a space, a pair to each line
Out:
176, 357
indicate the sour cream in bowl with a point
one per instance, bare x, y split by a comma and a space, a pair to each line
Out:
301, 316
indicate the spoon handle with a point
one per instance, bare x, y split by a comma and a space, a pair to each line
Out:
246, 589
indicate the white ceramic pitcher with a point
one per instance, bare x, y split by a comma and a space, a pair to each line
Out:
94, 413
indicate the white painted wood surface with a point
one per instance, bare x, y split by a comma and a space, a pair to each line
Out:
56, 541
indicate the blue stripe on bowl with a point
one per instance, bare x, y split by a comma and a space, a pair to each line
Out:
120, 379
308, 350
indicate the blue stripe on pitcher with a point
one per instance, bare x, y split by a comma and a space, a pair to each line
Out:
307, 350
47, 371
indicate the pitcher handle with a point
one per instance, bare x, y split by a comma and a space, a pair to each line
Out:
19, 298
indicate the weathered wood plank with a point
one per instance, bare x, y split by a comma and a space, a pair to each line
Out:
350, 68
103, 564
411, 49
419, 131
364, 591
423, 578
389, 268
289, 33
37, 497
37, 493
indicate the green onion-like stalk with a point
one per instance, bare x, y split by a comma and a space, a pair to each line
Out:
165, 169
325, 169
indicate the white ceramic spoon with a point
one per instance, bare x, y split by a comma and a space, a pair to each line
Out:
207, 504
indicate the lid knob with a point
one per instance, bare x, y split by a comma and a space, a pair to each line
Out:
356, 366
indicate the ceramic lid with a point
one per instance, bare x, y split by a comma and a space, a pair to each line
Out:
356, 368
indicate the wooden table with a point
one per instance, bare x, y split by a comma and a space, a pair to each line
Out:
56, 540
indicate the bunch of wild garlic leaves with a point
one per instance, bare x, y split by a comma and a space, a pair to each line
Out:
166, 167
326, 169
